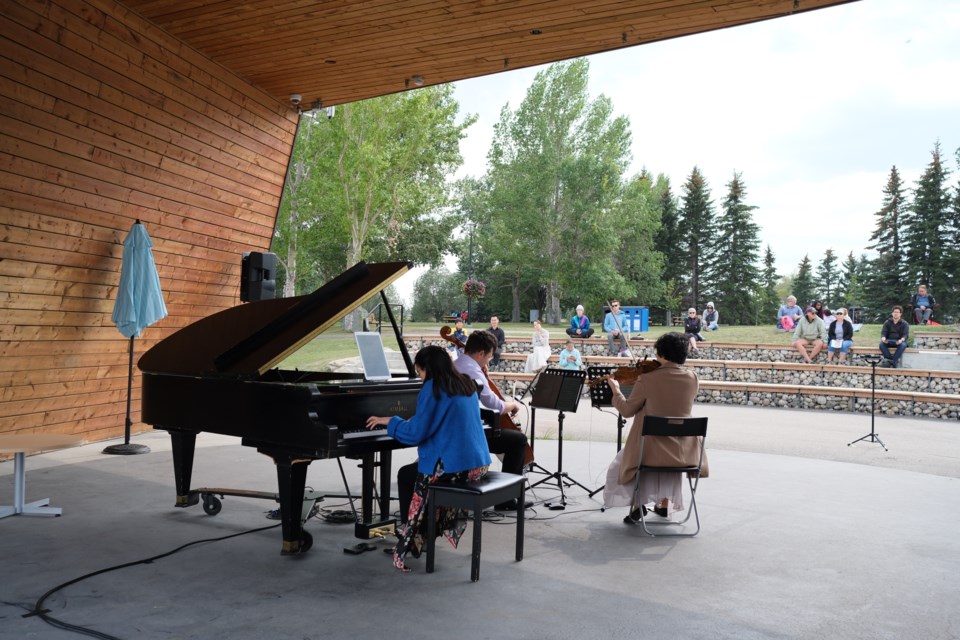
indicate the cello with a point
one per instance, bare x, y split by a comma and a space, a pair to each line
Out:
507, 421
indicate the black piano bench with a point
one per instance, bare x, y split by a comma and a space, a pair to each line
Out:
494, 488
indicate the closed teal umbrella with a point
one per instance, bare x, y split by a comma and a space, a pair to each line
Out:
139, 304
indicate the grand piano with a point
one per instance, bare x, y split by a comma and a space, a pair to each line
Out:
220, 375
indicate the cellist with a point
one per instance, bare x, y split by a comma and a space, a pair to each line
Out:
510, 442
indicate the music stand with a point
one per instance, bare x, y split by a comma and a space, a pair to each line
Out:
557, 389
873, 360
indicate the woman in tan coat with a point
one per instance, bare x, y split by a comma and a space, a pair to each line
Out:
666, 391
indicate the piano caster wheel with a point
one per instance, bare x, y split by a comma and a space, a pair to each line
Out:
306, 541
211, 505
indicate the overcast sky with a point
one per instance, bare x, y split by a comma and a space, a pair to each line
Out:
812, 110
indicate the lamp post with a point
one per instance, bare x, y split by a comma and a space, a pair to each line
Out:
470, 227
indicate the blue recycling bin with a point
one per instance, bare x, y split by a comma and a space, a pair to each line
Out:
638, 319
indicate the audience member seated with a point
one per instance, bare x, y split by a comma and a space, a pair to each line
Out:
541, 349
501, 339
579, 325
923, 305
894, 335
710, 318
460, 335
614, 323
810, 333
570, 357
692, 326
818, 305
840, 333
789, 314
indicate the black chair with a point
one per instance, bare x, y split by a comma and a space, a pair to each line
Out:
494, 488
661, 427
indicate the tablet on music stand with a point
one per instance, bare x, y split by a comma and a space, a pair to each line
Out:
372, 356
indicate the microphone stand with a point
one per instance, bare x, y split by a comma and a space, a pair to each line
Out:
873, 360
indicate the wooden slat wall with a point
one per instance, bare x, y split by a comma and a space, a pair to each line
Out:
104, 119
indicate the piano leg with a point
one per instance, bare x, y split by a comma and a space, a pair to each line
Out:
369, 527
183, 444
291, 482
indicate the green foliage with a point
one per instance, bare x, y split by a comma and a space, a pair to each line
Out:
926, 225
828, 276
435, 294
555, 186
370, 184
804, 286
769, 297
698, 233
736, 278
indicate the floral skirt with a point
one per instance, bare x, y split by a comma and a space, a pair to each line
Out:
451, 523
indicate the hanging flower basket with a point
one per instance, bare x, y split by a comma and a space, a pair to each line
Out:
473, 289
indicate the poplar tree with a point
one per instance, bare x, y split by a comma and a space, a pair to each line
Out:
737, 277
698, 233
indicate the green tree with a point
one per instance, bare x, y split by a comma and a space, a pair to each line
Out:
828, 275
374, 184
638, 259
926, 225
769, 297
668, 239
804, 286
885, 283
851, 291
555, 175
737, 278
433, 292
699, 236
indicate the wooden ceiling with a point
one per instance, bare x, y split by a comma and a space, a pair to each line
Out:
338, 51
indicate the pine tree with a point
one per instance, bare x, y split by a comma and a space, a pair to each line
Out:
698, 232
668, 239
926, 224
737, 278
769, 301
804, 287
886, 282
827, 278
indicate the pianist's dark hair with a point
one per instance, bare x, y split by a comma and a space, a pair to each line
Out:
672, 346
439, 368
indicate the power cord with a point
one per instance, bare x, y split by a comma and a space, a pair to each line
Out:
43, 614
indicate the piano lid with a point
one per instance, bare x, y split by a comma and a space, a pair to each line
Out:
253, 338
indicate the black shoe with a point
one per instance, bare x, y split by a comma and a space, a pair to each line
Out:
511, 505
661, 511
634, 516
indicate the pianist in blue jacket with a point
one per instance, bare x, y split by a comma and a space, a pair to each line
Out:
450, 444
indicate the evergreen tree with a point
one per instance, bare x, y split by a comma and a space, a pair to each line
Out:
885, 282
668, 239
827, 277
769, 299
698, 232
926, 225
804, 286
737, 278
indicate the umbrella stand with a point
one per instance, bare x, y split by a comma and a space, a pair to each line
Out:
127, 449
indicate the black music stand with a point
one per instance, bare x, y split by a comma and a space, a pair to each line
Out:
557, 389
873, 360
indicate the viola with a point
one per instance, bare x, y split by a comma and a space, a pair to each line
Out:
628, 375
507, 421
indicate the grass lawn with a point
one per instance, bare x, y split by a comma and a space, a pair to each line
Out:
336, 344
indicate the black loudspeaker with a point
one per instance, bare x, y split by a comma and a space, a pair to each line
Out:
258, 276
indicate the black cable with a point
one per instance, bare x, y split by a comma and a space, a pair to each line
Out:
42, 614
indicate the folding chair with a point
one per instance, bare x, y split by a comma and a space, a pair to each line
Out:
660, 427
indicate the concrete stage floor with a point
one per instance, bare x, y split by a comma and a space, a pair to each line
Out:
803, 537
